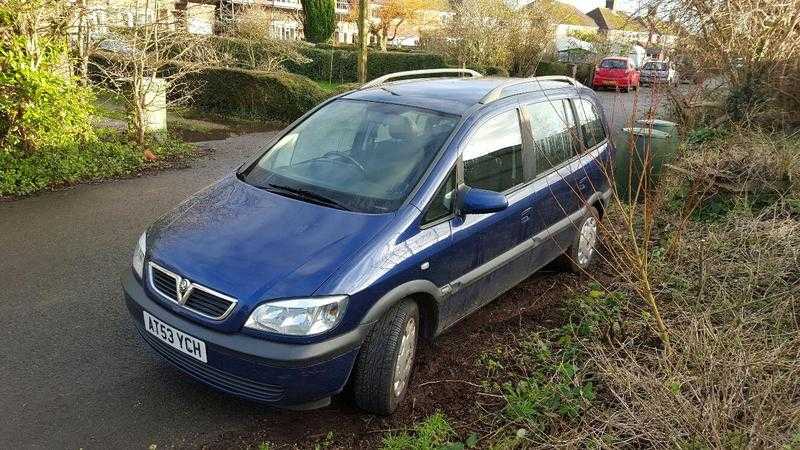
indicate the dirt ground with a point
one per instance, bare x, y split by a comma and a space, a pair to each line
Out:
446, 377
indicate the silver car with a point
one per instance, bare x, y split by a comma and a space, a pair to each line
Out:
658, 72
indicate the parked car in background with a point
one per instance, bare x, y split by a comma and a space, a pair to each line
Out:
658, 72
385, 215
616, 72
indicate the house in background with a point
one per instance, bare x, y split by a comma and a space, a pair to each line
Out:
572, 50
618, 26
427, 21
567, 18
198, 16
287, 19
568, 21
649, 32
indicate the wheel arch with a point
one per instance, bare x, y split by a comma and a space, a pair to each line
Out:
423, 292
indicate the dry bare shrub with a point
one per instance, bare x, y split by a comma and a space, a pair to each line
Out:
252, 22
491, 33
252, 45
753, 165
753, 45
146, 52
734, 293
729, 293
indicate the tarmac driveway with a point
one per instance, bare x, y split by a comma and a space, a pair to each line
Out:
74, 374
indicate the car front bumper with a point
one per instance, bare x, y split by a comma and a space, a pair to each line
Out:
256, 369
649, 79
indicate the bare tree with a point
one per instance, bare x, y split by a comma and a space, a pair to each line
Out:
490, 33
751, 44
260, 50
154, 49
81, 28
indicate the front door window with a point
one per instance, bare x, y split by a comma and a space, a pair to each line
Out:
493, 156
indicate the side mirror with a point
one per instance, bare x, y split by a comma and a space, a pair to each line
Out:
481, 201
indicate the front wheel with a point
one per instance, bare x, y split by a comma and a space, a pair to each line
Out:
383, 368
581, 253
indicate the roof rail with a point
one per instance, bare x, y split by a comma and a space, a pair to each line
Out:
496, 93
409, 73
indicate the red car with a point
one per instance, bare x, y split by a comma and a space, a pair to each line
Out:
616, 72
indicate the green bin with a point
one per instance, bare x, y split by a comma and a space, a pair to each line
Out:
641, 150
661, 125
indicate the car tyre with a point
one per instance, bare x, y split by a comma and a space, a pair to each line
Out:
581, 253
383, 369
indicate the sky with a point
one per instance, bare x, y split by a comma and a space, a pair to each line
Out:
588, 5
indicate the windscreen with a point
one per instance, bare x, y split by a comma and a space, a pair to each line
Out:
652, 65
360, 155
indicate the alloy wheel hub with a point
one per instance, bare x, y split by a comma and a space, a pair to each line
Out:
587, 241
405, 357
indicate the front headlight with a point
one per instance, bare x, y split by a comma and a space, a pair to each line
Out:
138, 255
299, 317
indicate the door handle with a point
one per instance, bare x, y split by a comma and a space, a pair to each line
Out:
526, 214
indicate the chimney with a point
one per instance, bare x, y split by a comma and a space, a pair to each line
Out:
610, 4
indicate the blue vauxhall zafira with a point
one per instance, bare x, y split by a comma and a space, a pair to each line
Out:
380, 218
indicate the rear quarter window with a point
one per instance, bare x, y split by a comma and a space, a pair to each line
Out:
591, 124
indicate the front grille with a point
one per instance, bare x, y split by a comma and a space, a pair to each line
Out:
165, 283
196, 298
207, 303
227, 382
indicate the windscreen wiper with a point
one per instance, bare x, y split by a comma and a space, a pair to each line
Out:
304, 194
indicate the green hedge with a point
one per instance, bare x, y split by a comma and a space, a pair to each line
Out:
354, 47
249, 93
583, 73
341, 65
337, 65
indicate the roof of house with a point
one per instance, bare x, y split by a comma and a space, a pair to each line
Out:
563, 13
608, 19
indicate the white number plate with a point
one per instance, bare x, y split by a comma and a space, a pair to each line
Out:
176, 339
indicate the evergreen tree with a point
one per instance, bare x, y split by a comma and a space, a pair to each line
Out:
319, 19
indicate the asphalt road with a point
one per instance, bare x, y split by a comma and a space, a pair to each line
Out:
73, 373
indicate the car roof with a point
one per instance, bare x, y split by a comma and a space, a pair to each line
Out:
448, 95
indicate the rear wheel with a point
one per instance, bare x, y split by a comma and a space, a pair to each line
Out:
383, 368
581, 253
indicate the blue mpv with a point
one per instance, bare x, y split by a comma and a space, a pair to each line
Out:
385, 215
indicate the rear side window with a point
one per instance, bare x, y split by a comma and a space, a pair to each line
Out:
590, 123
554, 133
442, 204
493, 155
614, 64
